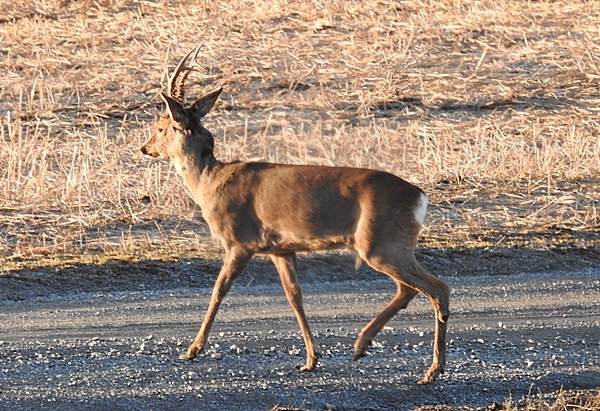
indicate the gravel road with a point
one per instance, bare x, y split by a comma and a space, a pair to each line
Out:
509, 336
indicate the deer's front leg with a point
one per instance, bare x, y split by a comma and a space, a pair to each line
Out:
235, 262
286, 266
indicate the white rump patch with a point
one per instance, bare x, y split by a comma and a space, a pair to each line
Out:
421, 208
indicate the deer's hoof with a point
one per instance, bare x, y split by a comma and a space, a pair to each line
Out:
187, 356
358, 356
311, 363
430, 376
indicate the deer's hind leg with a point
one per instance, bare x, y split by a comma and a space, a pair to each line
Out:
286, 266
400, 301
397, 260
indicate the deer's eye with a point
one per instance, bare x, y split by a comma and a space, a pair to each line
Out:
160, 130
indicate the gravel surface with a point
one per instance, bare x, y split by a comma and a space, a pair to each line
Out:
510, 336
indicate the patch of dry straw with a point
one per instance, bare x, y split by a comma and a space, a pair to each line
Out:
491, 106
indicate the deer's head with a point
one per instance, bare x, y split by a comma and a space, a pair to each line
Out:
179, 132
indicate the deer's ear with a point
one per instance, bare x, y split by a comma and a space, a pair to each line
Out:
202, 106
175, 109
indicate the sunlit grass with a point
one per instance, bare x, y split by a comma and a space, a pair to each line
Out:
491, 107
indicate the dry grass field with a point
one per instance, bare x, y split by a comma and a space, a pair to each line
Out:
492, 107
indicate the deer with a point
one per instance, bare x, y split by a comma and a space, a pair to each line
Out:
278, 210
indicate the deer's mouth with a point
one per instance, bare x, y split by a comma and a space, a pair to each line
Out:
148, 152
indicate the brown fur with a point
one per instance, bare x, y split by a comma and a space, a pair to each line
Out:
278, 210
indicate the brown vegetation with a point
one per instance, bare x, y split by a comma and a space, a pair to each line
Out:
491, 107
561, 401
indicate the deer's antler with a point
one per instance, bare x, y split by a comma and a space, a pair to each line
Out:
176, 83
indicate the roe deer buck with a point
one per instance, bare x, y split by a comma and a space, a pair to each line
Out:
277, 209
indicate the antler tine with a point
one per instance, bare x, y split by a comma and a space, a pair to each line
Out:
176, 82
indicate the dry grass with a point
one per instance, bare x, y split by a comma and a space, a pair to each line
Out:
561, 401
491, 106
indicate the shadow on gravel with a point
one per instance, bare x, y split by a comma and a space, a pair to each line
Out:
485, 394
128, 275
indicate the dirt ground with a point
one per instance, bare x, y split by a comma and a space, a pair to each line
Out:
100, 336
171, 271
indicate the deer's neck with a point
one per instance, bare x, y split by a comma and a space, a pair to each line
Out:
194, 170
